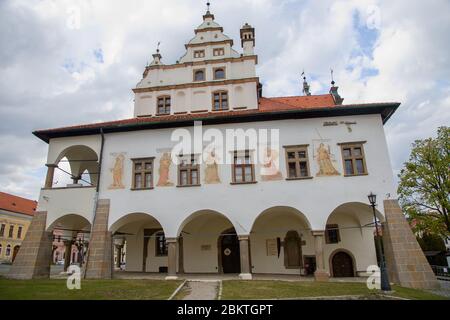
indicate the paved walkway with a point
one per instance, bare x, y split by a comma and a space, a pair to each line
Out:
202, 290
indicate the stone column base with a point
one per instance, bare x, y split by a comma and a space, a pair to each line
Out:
245, 276
34, 257
405, 260
100, 258
321, 276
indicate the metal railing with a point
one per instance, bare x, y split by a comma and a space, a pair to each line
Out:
441, 272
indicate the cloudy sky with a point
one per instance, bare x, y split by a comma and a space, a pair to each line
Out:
71, 62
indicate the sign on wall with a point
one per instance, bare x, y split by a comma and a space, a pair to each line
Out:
271, 247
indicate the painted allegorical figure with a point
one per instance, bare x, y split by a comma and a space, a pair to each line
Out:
212, 169
270, 168
326, 167
117, 173
164, 169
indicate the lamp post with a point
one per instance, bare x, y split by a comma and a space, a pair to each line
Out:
385, 285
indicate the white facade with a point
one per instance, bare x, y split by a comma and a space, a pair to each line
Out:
263, 212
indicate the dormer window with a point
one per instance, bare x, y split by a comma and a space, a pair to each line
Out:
220, 100
199, 75
219, 73
199, 53
163, 106
218, 52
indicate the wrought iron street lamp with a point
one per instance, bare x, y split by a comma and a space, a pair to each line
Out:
385, 285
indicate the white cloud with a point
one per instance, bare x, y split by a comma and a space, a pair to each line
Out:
52, 75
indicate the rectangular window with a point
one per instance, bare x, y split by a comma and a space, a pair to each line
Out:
332, 233
161, 245
163, 105
11, 231
188, 171
199, 53
353, 159
243, 168
19, 232
218, 52
297, 162
220, 100
2, 230
142, 173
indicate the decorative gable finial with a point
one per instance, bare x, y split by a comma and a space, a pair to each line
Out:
332, 79
207, 7
157, 46
334, 90
305, 85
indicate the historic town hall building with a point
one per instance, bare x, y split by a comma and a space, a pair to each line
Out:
288, 197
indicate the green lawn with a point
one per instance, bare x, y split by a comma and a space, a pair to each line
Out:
90, 289
283, 289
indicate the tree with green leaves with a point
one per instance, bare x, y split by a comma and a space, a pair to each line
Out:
424, 187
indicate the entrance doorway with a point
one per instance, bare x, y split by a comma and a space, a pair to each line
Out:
342, 264
229, 253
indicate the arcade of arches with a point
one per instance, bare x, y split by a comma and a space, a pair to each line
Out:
280, 242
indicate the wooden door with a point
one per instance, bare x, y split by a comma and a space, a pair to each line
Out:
230, 253
342, 265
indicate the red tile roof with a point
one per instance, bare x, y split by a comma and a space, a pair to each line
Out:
296, 102
17, 204
266, 107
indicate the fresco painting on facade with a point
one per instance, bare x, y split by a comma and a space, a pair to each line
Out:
324, 158
271, 164
117, 171
212, 168
164, 170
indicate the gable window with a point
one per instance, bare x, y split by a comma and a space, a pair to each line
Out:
199, 75
199, 53
218, 52
220, 100
332, 233
188, 171
297, 162
11, 231
163, 105
219, 73
161, 245
2, 230
142, 173
243, 169
19, 232
353, 159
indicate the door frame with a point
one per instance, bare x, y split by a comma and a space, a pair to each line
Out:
219, 248
330, 261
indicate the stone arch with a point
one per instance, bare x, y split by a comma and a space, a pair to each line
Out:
81, 160
70, 221
342, 250
354, 224
287, 209
135, 240
271, 230
200, 233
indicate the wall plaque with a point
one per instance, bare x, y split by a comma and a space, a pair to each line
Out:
271, 247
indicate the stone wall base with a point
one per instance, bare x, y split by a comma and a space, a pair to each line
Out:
35, 254
321, 276
100, 259
405, 261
